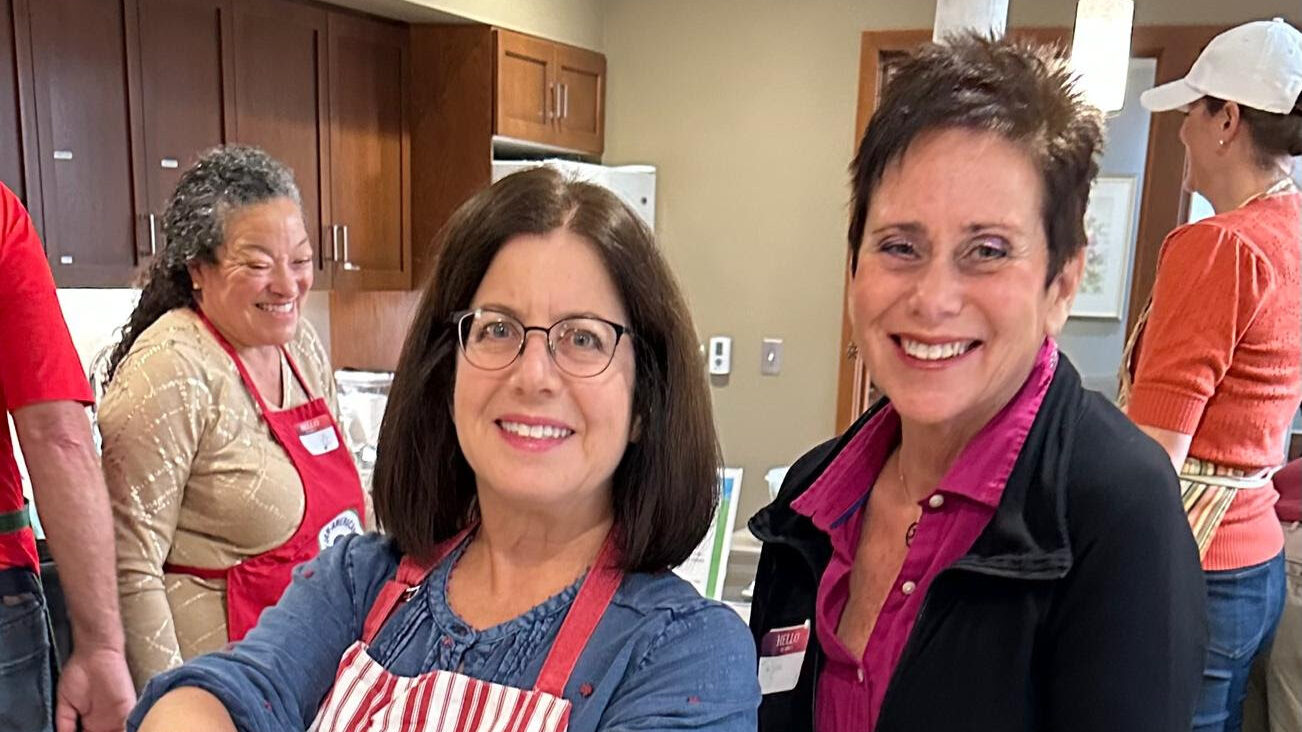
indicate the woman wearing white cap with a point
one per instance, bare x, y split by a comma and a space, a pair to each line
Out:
1213, 372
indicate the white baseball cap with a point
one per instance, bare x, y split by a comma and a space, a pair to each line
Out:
1257, 64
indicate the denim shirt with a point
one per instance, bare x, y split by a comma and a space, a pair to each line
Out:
661, 658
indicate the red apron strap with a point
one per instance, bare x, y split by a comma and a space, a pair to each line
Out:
412, 571
239, 364
589, 605
293, 367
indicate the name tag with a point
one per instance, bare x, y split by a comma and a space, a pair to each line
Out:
782, 653
345, 524
318, 435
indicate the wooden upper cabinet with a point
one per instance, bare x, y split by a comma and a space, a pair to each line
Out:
84, 144
13, 170
369, 156
581, 78
549, 94
185, 76
526, 99
280, 103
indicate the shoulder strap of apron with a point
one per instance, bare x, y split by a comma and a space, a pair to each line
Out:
244, 372
412, 571
589, 605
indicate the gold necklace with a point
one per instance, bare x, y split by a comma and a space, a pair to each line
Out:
912, 531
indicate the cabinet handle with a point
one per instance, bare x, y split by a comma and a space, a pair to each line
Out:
551, 103
348, 265
565, 101
334, 244
63, 155
153, 236
65, 259
169, 163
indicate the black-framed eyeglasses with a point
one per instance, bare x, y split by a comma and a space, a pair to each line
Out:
582, 346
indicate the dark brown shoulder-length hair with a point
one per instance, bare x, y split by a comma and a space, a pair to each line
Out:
665, 487
1020, 90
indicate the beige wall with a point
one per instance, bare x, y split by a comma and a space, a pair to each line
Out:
747, 109
577, 22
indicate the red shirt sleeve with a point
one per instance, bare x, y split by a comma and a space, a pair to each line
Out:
1209, 289
38, 362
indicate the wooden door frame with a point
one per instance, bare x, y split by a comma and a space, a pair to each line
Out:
1174, 48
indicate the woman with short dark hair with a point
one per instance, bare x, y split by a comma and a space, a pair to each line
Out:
546, 456
991, 546
1216, 359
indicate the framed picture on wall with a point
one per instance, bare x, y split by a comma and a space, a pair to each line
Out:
1109, 228
707, 568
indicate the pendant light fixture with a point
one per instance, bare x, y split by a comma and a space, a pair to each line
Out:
983, 16
1100, 51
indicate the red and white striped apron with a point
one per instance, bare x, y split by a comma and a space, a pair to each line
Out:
367, 697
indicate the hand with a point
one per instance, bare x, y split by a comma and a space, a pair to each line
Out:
96, 688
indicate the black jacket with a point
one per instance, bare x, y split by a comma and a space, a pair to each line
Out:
1081, 606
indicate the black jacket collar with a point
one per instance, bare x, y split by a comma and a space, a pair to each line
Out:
1027, 537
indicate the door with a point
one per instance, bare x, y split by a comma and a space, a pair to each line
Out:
84, 142
369, 177
280, 103
581, 76
527, 96
183, 67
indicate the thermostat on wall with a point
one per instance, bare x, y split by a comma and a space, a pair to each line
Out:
720, 355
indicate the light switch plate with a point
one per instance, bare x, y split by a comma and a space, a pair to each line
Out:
771, 357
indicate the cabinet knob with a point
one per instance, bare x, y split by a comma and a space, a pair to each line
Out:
63, 155
169, 163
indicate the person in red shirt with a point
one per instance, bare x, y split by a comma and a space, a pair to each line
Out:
42, 386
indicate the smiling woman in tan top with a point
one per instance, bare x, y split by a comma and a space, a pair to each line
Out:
221, 451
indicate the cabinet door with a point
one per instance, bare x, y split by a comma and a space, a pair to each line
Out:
581, 76
526, 104
12, 168
183, 84
280, 103
369, 178
84, 140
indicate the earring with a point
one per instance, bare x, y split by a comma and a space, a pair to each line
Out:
1221, 143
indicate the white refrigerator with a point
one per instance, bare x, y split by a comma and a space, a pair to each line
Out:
636, 184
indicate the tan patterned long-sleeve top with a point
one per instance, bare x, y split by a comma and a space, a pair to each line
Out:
196, 479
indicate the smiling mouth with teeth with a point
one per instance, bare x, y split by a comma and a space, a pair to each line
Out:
934, 351
282, 308
535, 431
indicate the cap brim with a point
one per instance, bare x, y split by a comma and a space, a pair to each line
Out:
1173, 95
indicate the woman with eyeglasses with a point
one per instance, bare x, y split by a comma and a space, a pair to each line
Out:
546, 455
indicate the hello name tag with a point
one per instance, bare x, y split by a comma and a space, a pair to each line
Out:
318, 435
782, 653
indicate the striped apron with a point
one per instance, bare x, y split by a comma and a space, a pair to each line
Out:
1206, 489
366, 696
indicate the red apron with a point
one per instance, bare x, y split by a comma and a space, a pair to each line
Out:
365, 696
334, 505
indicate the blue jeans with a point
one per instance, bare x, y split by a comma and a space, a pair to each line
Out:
1243, 608
26, 678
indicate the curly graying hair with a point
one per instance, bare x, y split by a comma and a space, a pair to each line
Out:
223, 180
